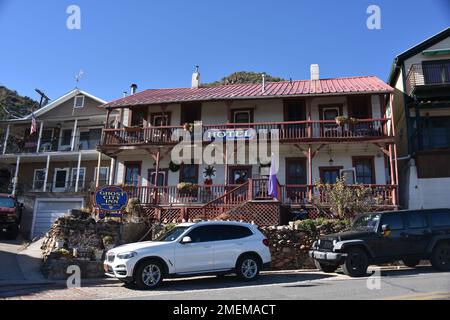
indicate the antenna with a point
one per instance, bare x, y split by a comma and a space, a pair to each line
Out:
78, 77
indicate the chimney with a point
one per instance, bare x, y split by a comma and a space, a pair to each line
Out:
196, 78
315, 72
263, 82
133, 88
125, 94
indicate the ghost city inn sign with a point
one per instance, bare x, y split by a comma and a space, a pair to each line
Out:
111, 199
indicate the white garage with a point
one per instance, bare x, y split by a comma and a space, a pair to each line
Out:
47, 211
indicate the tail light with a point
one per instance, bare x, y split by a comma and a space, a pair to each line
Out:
266, 242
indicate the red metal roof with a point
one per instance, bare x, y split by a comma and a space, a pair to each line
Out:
335, 86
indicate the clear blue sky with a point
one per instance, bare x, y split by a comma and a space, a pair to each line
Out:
156, 44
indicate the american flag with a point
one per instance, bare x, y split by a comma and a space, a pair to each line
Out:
34, 128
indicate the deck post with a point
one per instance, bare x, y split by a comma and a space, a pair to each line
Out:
393, 176
47, 168
112, 171
16, 176
74, 135
99, 165
41, 129
5, 144
158, 160
310, 172
77, 180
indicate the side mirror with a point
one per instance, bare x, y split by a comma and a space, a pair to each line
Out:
186, 240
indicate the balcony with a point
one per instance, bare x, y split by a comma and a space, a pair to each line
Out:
428, 79
296, 131
232, 195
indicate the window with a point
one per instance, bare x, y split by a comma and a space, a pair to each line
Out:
329, 175
79, 102
242, 116
104, 175
440, 219
394, 221
84, 140
364, 170
89, 140
160, 119
189, 173
231, 232
163, 175
132, 173
436, 72
417, 220
66, 137
349, 175
329, 112
81, 179
435, 132
39, 179
202, 234
138, 117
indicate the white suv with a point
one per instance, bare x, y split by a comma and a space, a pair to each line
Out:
192, 249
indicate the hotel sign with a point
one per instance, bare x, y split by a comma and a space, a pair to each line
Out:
230, 134
111, 199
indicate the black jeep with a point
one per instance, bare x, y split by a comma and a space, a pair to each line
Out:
384, 237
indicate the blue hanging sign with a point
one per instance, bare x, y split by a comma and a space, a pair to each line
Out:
111, 199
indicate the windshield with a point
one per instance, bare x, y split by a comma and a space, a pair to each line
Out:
366, 223
7, 203
173, 234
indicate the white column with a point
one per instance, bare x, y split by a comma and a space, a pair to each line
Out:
47, 169
99, 164
16, 176
40, 137
6, 138
74, 134
77, 183
111, 171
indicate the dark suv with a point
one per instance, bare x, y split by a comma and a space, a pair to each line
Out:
10, 216
384, 237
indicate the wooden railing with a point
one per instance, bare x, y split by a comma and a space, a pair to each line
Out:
223, 198
285, 131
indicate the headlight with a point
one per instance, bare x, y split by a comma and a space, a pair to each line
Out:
126, 255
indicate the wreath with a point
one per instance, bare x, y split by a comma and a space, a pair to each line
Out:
174, 167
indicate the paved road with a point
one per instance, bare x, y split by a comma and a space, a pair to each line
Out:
422, 283
9, 268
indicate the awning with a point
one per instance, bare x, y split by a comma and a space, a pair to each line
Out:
436, 52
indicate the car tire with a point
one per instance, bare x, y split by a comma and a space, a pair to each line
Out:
356, 263
327, 268
12, 235
149, 275
440, 258
248, 268
411, 262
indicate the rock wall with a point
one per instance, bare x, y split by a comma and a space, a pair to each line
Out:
289, 245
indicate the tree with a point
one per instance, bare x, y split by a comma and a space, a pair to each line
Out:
344, 200
243, 77
11, 101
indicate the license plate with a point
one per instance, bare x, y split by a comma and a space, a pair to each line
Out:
321, 255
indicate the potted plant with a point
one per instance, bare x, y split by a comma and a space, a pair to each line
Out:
209, 173
341, 120
108, 242
353, 121
188, 127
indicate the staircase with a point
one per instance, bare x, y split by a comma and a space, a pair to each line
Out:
249, 202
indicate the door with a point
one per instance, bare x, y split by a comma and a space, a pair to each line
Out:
239, 175
419, 233
231, 242
132, 174
197, 256
48, 211
296, 179
61, 180
190, 113
395, 243
161, 182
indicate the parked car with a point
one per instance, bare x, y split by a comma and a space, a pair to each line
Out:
377, 238
10, 216
190, 249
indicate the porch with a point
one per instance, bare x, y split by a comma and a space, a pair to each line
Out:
291, 131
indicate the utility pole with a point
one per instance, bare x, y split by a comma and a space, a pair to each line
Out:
44, 99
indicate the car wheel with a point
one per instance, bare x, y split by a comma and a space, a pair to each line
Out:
149, 275
356, 263
440, 258
248, 268
411, 262
327, 268
12, 235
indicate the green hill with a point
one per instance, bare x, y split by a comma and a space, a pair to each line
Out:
15, 103
243, 77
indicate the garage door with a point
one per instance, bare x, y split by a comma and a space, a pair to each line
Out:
48, 211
